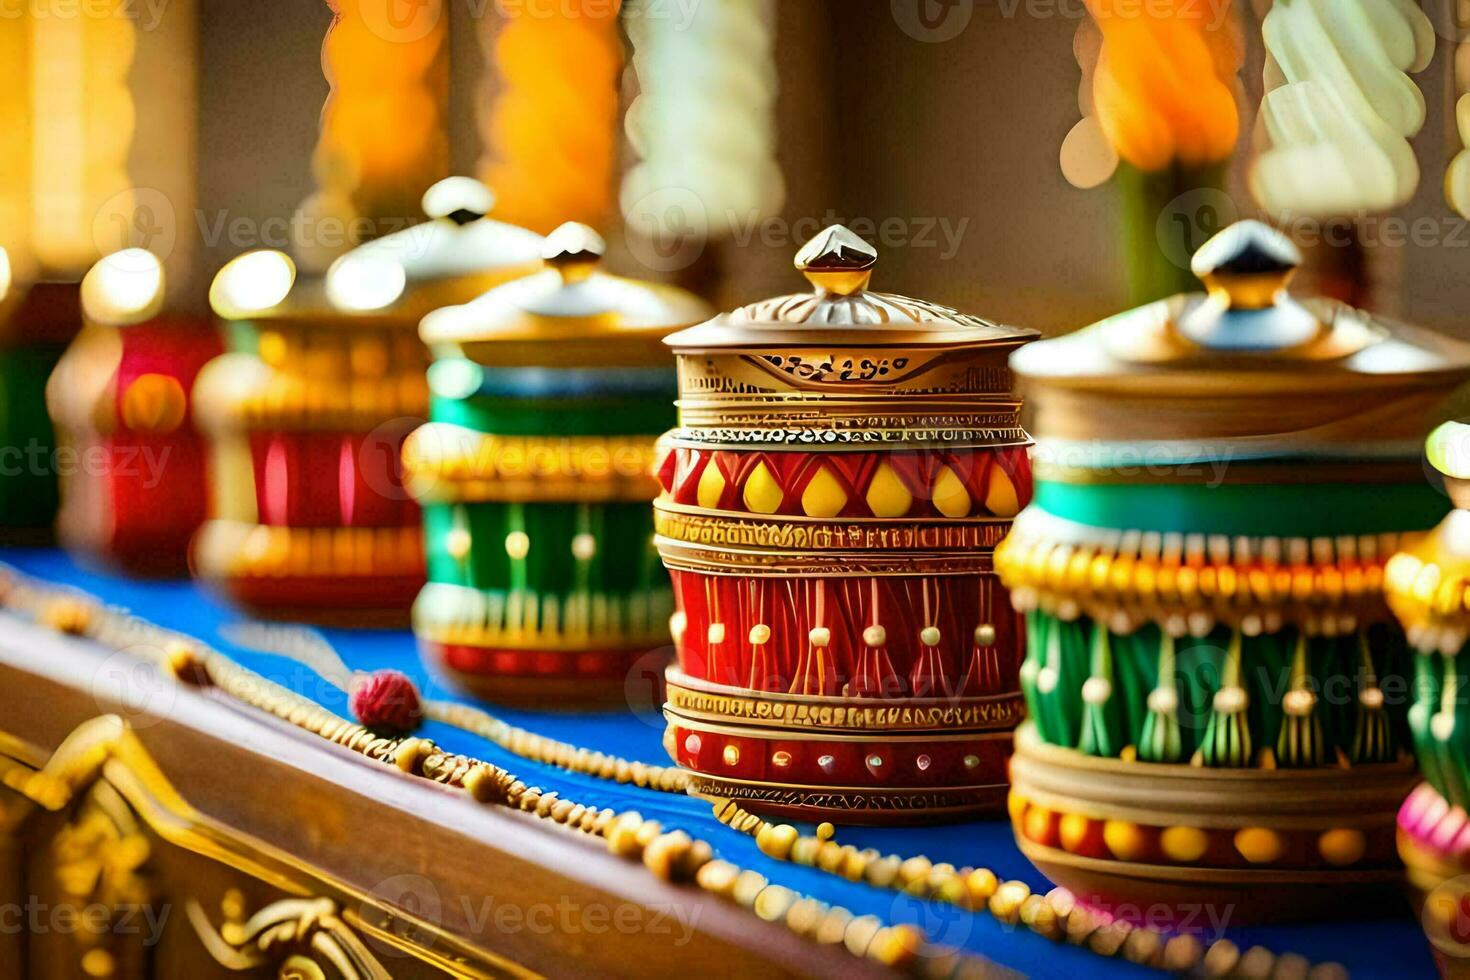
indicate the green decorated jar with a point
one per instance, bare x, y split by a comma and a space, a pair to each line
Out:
535, 477
1217, 694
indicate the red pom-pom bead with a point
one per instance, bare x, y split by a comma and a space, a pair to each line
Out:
386, 701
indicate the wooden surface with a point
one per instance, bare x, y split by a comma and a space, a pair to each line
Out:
436, 874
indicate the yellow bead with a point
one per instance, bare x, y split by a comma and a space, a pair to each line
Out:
1259, 845
1006, 903
826, 831
887, 496
1125, 840
981, 884
824, 496
1184, 844
1073, 831
1015, 807
1342, 847
915, 869
897, 946
776, 840
762, 494
950, 496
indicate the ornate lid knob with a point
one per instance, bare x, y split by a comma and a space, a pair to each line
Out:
574, 250
1246, 269
460, 199
837, 261
1247, 265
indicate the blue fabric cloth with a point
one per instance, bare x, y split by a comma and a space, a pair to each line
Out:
1373, 948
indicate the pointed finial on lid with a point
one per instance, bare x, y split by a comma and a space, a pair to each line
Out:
460, 199
837, 261
1249, 263
574, 250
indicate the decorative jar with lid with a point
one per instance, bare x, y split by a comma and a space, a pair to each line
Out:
307, 413
844, 465
1215, 688
547, 396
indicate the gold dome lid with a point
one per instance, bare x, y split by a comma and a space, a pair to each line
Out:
395, 280
571, 314
844, 365
1245, 363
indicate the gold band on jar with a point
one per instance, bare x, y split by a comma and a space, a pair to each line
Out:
694, 703
446, 462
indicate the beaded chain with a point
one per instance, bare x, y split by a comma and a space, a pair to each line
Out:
672, 855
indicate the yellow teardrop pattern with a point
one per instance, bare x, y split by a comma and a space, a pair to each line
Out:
887, 496
950, 496
824, 496
1000, 495
711, 487
762, 494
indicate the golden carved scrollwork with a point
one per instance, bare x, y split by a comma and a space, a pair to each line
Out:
303, 938
100, 856
119, 801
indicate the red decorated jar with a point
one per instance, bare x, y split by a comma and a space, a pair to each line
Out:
130, 460
308, 412
845, 464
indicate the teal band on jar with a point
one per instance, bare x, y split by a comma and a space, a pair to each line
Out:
557, 416
1283, 509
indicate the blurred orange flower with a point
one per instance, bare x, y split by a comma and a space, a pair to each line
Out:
1164, 85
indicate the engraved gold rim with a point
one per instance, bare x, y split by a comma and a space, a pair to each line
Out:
684, 692
853, 802
849, 563
794, 534
776, 734
1164, 794
1195, 875
796, 436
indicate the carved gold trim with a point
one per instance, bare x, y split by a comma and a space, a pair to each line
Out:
835, 431
868, 717
1260, 583
717, 560
806, 735
923, 804
227, 549
105, 748
298, 936
691, 525
445, 462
